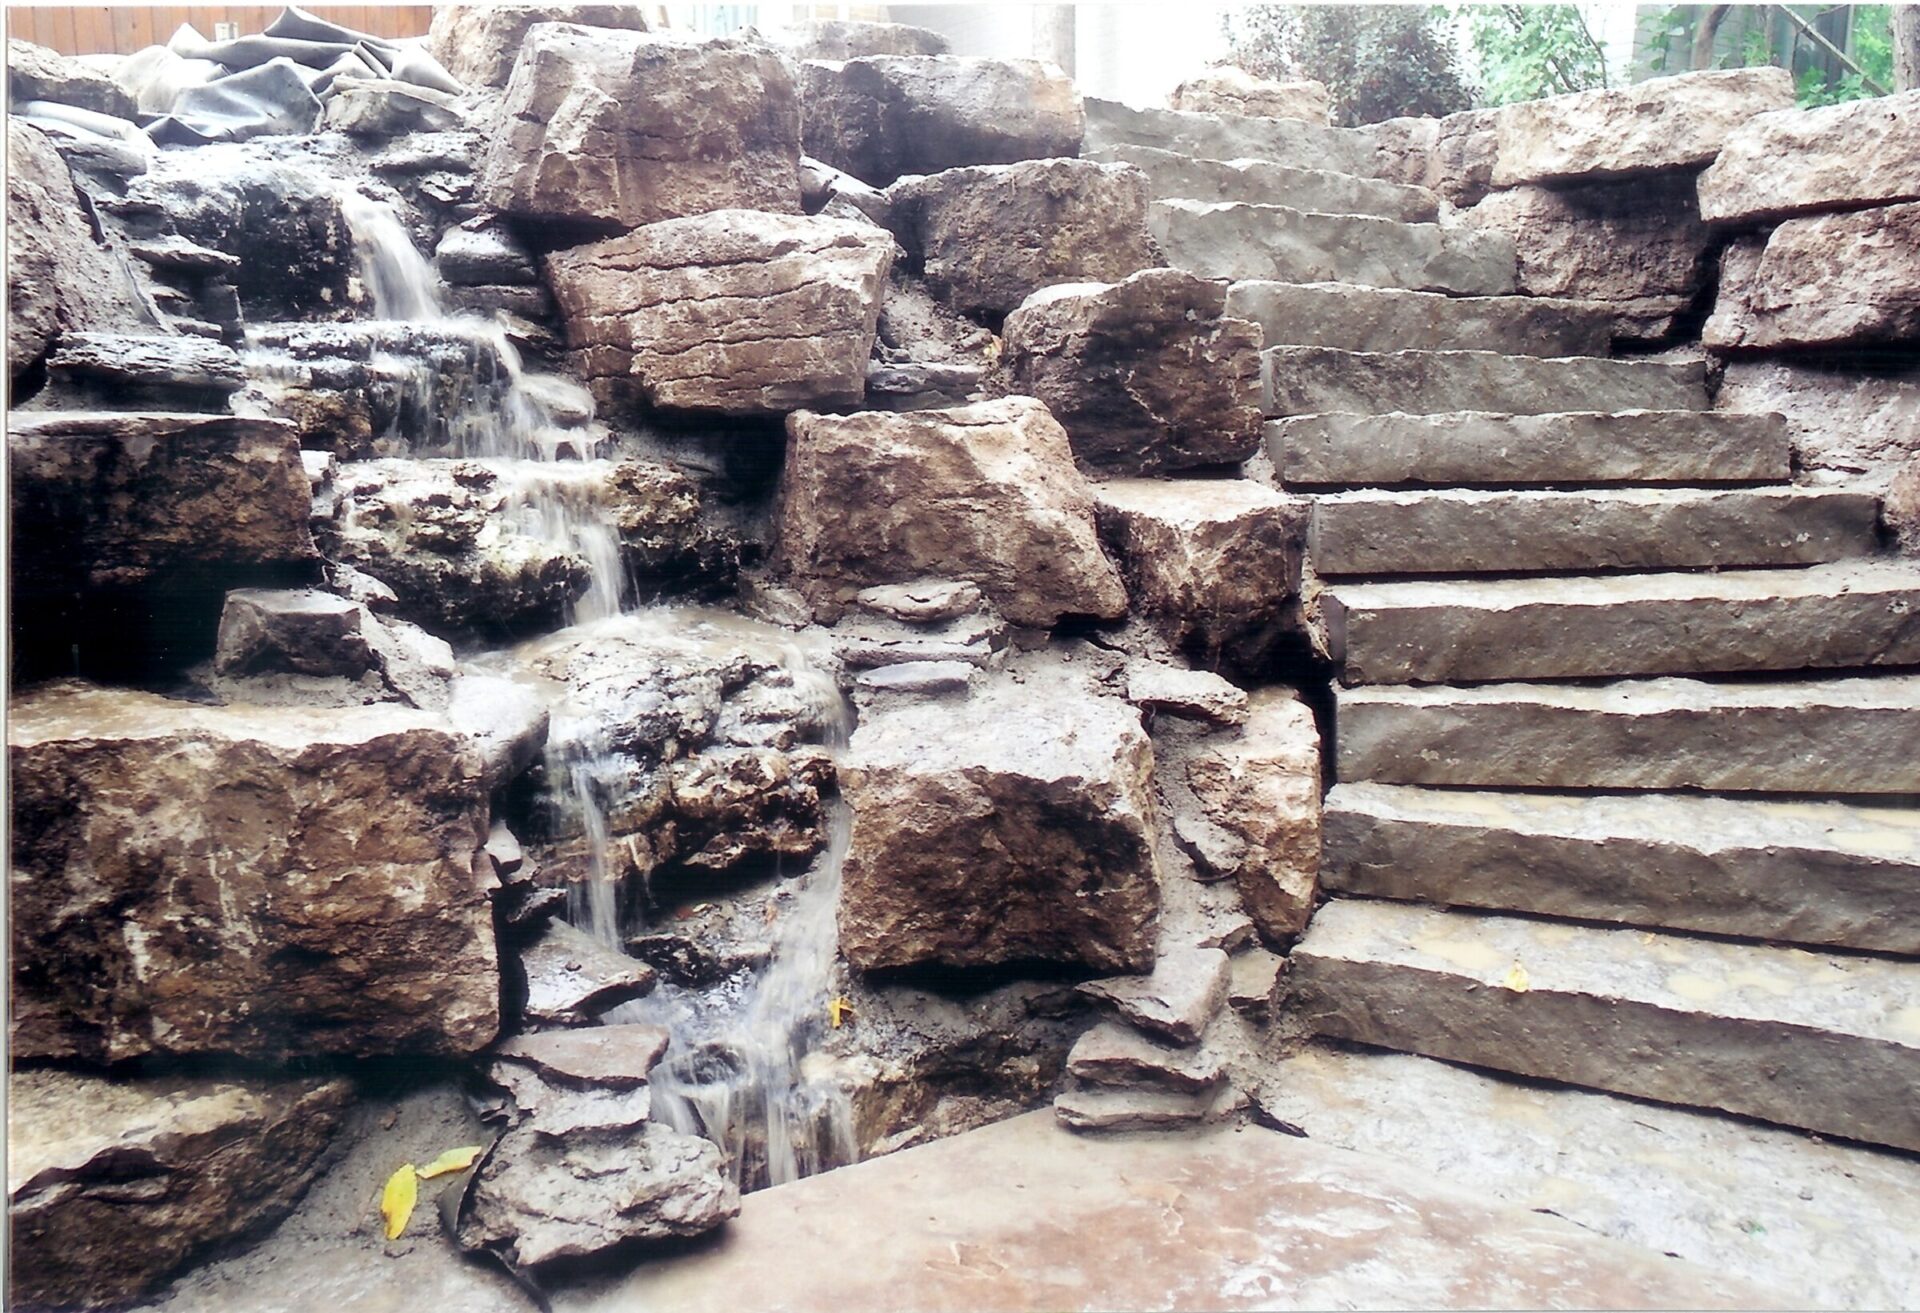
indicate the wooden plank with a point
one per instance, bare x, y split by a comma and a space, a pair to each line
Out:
93, 30
124, 21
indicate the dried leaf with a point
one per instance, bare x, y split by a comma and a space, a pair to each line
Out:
397, 1200
839, 1012
1517, 979
453, 1160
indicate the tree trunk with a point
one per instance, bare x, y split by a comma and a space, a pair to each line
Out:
1705, 31
1906, 47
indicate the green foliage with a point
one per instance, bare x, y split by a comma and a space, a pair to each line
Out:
1527, 51
1377, 61
1767, 39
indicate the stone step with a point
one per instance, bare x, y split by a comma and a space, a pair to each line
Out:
1480, 449
1827, 873
1827, 617
1237, 240
1466, 531
1115, 1055
1305, 380
1293, 143
1173, 176
1836, 736
1143, 1110
1830, 1043
1349, 317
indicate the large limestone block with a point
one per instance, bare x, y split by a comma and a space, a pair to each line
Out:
615, 129
885, 116
1290, 142
1828, 280
1453, 156
986, 492
1669, 123
839, 38
735, 312
1799, 161
1147, 374
1231, 90
478, 43
985, 238
1014, 826
112, 1184
1315, 380
38, 73
283, 882
1173, 176
1352, 318
1848, 424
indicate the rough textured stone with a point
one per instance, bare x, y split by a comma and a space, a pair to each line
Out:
1142, 1110
483, 251
570, 977
1231, 90
1200, 694
1902, 508
735, 312
986, 493
1173, 176
841, 39
293, 646
1825, 281
985, 238
1848, 423
1009, 827
478, 43
1676, 122
1453, 156
1353, 318
618, 129
1147, 374
884, 116
1312, 380
1800, 161
38, 73
1112, 1054
923, 601
112, 1184
388, 107
124, 371
1176, 1001
1289, 142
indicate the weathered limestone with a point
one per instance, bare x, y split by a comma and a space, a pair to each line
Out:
1289, 142
986, 493
1195, 694
301, 646
570, 978
1901, 508
1835, 737
1669, 123
1184, 992
1453, 155
617, 1056
835, 38
1231, 90
1112, 1054
986, 238
1461, 531
1801, 161
1807, 873
1825, 281
1172, 176
1784, 1035
388, 107
735, 312
112, 1184
1143, 1110
1353, 318
617, 129
127, 371
39, 73
1848, 424
885, 116
1147, 374
1236, 240
1472, 448
1010, 827
1309, 380
1850, 614
478, 43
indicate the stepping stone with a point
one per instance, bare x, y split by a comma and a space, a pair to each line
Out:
1312, 380
1824, 873
1187, 988
1143, 1110
1839, 736
1835, 616
1111, 1054
1354, 318
1824, 1042
1459, 531
1294, 143
1174, 176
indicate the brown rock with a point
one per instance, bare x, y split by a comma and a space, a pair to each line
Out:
1847, 423
986, 493
1185, 991
571, 977
478, 43
1231, 90
841, 39
1147, 374
1825, 281
1799, 161
616, 1056
730, 804
1453, 155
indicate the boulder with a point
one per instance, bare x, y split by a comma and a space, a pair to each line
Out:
1148, 374
734, 313
387, 107
1848, 423
885, 116
113, 1184
478, 43
1801, 161
307, 646
1678, 122
1824, 281
986, 493
986, 238
1901, 509
840, 39
614, 129
285, 882
127, 371
1231, 90
38, 73
1453, 156
483, 251
1011, 826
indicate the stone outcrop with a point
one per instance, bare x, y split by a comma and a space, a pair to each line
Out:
735, 312
1147, 374
986, 492
985, 238
127, 371
112, 1184
1231, 90
479, 42
614, 129
840, 39
1824, 281
1836, 157
1010, 827
885, 116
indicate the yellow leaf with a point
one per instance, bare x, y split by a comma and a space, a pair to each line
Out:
397, 1200
1517, 979
839, 1011
453, 1160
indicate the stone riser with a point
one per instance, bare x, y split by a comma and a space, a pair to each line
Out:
1349, 317
1172, 176
1318, 380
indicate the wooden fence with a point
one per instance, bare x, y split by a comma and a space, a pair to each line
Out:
123, 29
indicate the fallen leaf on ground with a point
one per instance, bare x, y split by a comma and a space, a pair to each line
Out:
397, 1200
839, 1012
453, 1160
1517, 979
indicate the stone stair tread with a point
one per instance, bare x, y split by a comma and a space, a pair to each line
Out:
1438, 531
1843, 614
1307, 380
1825, 1041
1822, 736
1291, 142
1143, 1110
1114, 1055
1175, 176
1354, 317
1827, 873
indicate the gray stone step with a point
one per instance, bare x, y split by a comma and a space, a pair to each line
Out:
1827, 617
1143, 1110
1114, 1055
1833, 736
1354, 318
1305, 380
1826, 1042
1173, 176
1235, 240
1478, 449
1294, 143
1467, 531
1825, 873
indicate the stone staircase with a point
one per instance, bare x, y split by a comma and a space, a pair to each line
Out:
1626, 738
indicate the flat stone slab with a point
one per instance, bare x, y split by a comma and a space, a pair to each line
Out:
1112, 1054
1836, 736
1354, 318
1803, 161
1846, 614
1294, 143
1481, 449
1237, 240
1186, 990
1175, 176
1311, 380
1464, 531
1821, 281
1823, 873
1142, 1110
1831, 1044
